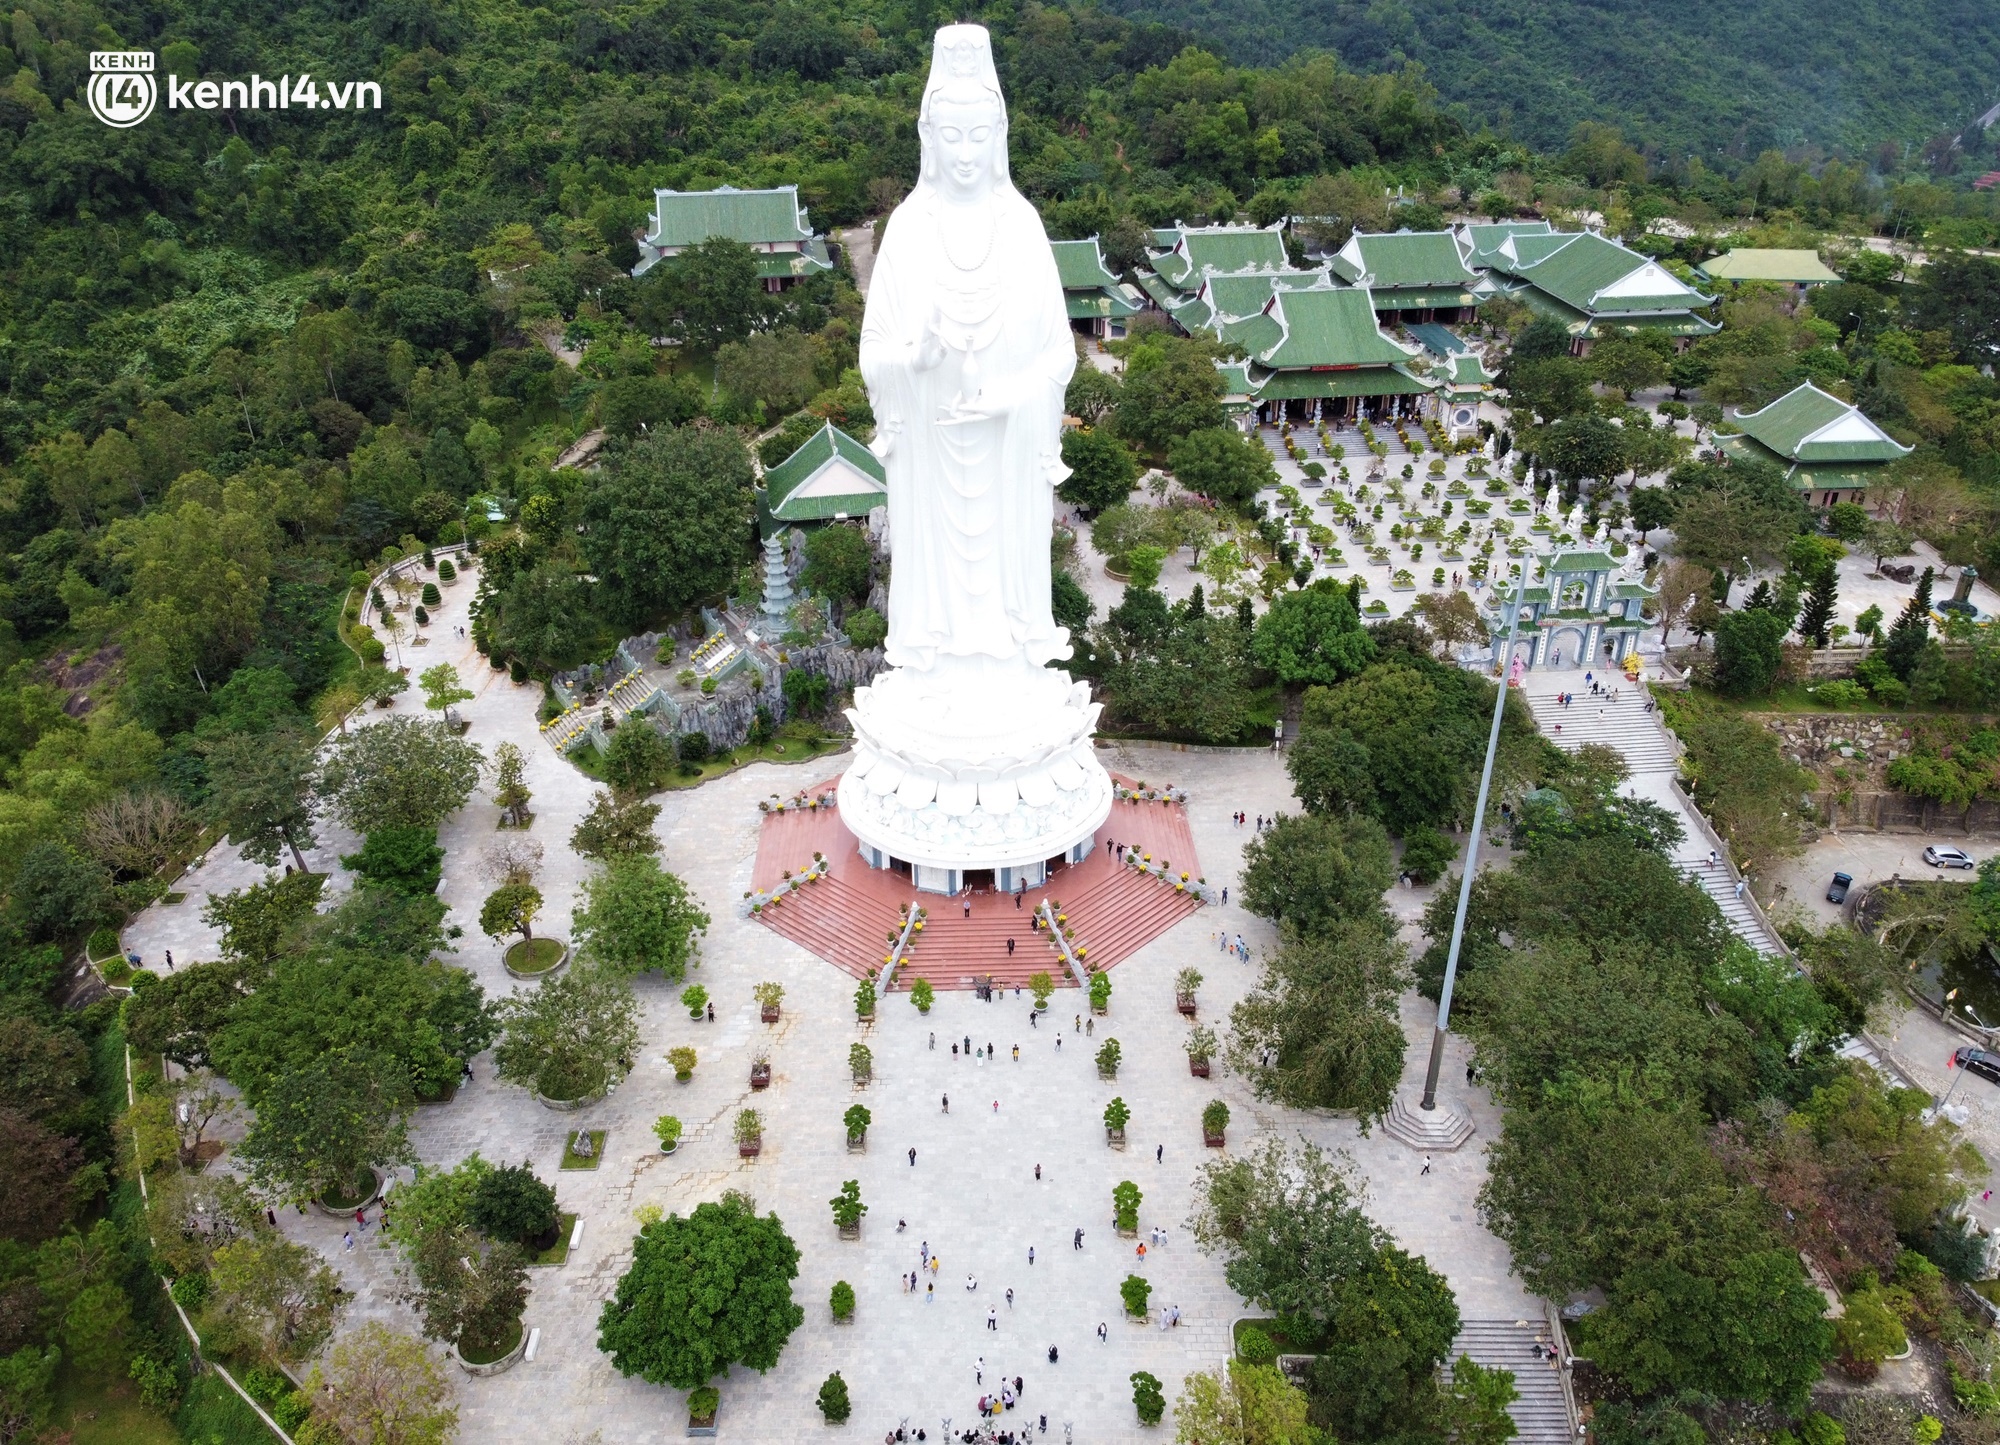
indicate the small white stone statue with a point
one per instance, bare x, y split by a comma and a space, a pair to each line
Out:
972, 751
1550, 502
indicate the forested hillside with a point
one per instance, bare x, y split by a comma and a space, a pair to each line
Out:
1705, 78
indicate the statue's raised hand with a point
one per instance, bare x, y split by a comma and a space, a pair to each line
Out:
930, 346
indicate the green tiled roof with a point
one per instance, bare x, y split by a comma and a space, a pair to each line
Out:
1808, 426
1086, 304
1080, 265
1220, 248
1582, 323
831, 475
1749, 264
1564, 562
1243, 293
1235, 378
1255, 334
1164, 296
1403, 260
1325, 327
1598, 276
1483, 240
1464, 371
810, 260
687, 218
1355, 381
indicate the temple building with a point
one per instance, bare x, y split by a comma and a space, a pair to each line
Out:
1828, 449
830, 478
1174, 273
1414, 276
1462, 377
1595, 287
1581, 613
772, 223
1319, 352
1098, 301
1797, 269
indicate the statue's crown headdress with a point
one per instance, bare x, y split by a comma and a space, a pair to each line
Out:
961, 58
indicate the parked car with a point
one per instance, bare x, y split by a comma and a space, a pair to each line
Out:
1837, 890
1978, 1061
1947, 857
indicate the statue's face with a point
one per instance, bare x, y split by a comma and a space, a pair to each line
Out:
964, 132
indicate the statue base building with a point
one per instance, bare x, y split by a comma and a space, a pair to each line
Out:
978, 774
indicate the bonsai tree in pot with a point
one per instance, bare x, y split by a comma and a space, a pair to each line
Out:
1201, 1048
848, 1209
861, 1063
760, 1070
683, 1060
703, 1403
833, 1402
1135, 1291
1041, 985
864, 1000
1185, 983
1147, 1397
841, 1301
1125, 1199
857, 1118
668, 1130
694, 998
923, 995
769, 996
749, 1133
1107, 1059
1116, 1116
1100, 993
1214, 1120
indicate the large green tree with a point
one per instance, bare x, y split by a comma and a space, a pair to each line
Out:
399, 773
704, 1292
1312, 636
261, 790
635, 917
668, 521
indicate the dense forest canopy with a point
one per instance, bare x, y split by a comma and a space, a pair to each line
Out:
1710, 78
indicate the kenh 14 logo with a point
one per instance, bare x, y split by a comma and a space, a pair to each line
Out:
124, 90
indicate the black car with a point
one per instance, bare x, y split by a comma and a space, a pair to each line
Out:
1978, 1061
1836, 891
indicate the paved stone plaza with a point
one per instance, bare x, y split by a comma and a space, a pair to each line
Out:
972, 1194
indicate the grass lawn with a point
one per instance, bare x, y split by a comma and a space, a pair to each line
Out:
210, 1414
535, 955
573, 1160
106, 1411
1285, 1345
780, 749
558, 1253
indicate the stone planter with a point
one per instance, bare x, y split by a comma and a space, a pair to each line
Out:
347, 1211
1198, 1067
498, 1367
849, 1231
770, 1013
1132, 1233
760, 1076
857, 1143
1184, 1005
750, 1150
1115, 1138
568, 1106
1213, 1141
506, 962
1100, 1012
673, 1148
700, 1426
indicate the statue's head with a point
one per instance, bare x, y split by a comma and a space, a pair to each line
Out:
962, 122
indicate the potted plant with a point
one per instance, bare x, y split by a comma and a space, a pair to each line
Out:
1201, 1046
1185, 983
668, 1130
857, 1119
694, 998
1135, 1292
703, 1406
864, 1001
749, 1134
1108, 1057
1116, 1116
841, 1301
833, 1401
848, 1209
769, 996
923, 995
1100, 993
1214, 1120
760, 1070
1041, 986
1125, 1199
683, 1061
861, 1064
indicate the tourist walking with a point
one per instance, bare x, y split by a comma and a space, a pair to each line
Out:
1427, 1166
1077, 1243
913, 1158
947, 1103
992, 1319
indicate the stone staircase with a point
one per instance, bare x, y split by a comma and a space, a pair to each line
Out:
1650, 751
1542, 1413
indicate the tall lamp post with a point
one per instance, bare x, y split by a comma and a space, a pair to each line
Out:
1443, 1028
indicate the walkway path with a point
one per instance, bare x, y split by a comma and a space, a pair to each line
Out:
1653, 755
